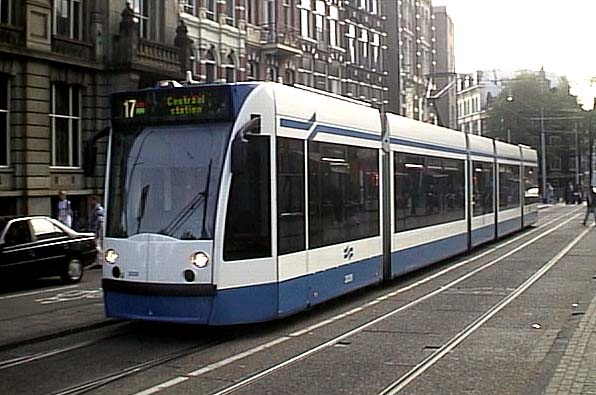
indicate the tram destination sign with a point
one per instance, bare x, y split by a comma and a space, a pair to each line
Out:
173, 105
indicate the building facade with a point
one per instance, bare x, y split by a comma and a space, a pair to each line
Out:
410, 53
59, 62
474, 96
444, 95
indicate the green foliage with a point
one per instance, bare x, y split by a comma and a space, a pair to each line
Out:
516, 112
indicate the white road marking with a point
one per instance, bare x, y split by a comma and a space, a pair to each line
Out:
70, 296
332, 342
38, 292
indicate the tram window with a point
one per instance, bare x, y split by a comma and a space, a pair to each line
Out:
343, 189
290, 195
428, 191
483, 184
248, 221
509, 187
531, 188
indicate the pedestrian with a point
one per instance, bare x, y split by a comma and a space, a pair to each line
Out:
96, 219
569, 194
591, 205
64, 209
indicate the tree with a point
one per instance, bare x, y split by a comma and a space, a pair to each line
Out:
526, 106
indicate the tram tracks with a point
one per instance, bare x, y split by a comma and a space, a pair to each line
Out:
99, 382
240, 384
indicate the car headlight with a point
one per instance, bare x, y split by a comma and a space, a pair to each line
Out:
111, 256
199, 259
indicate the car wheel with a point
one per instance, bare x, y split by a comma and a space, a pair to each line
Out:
73, 272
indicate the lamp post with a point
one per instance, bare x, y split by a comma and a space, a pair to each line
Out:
543, 153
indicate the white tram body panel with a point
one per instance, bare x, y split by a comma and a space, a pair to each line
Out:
322, 239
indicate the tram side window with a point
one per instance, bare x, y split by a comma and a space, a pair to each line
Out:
428, 191
290, 196
531, 188
483, 181
248, 218
508, 186
343, 189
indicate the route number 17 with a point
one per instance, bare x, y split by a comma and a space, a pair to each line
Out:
129, 108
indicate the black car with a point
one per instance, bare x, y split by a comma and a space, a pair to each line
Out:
43, 247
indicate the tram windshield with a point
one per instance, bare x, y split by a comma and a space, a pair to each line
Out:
165, 180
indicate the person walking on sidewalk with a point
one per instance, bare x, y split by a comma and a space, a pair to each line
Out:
591, 198
64, 209
96, 219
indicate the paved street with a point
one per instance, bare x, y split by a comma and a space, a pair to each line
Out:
515, 317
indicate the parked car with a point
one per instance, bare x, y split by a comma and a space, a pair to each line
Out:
42, 247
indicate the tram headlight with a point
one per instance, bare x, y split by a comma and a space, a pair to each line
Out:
111, 256
199, 259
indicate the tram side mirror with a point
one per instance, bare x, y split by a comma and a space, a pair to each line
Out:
240, 144
239, 154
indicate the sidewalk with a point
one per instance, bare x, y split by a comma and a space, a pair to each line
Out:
576, 371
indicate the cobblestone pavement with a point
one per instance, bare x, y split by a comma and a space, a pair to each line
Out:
576, 372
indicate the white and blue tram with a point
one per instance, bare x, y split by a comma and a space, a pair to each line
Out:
238, 203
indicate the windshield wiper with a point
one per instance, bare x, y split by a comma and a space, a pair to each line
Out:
142, 204
190, 208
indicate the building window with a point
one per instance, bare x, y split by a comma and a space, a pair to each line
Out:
376, 52
352, 43
188, 6
7, 13
210, 67
230, 69
252, 11
230, 12
211, 9
555, 164
333, 17
66, 125
68, 18
320, 21
141, 9
252, 71
304, 18
4, 121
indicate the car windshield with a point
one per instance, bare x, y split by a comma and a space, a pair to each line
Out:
165, 180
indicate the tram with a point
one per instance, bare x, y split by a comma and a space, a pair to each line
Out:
247, 202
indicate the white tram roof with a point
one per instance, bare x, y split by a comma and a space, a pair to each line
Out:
507, 151
481, 146
420, 135
529, 155
302, 104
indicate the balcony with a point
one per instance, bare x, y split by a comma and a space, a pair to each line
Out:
147, 56
73, 49
11, 35
154, 54
280, 38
